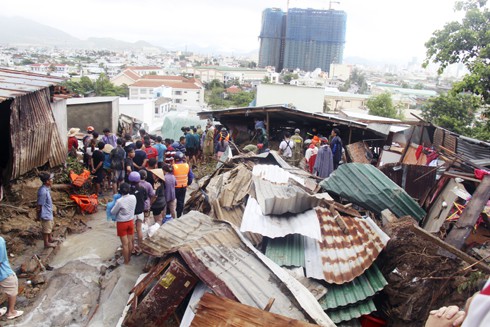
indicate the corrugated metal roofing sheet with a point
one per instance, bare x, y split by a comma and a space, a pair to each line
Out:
360, 289
277, 199
15, 83
352, 312
340, 257
472, 149
368, 187
287, 251
230, 265
305, 223
179, 232
218, 311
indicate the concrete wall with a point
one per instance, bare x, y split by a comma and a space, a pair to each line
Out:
308, 99
60, 117
143, 110
97, 114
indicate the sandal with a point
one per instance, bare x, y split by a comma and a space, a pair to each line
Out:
3, 311
17, 314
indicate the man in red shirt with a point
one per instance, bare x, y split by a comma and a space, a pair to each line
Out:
73, 142
151, 152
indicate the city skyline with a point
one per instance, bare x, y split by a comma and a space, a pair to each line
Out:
376, 29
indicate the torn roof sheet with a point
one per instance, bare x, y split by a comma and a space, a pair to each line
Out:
15, 83
368, 187
305, 223
275, 174
178, 232
223, 262
277, 199
287, 251
218, 311
352, 312
360, 289
230, 265
339, 257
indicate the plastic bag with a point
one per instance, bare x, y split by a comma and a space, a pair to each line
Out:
111, 205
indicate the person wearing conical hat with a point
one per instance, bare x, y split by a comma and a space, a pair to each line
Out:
73, 142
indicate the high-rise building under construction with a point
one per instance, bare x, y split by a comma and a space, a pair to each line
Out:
302, 38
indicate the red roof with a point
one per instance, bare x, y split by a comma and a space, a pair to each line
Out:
233, 89
144, 67
131, 74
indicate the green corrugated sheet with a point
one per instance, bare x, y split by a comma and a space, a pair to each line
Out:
361, 288
352, 311
287, 251
368, 187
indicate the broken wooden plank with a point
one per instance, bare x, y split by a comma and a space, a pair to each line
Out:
448, 247
463, 227
388, 217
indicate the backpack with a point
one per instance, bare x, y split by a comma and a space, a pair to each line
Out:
117, 158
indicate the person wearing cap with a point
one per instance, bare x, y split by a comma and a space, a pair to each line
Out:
124, 212
298, 147
107, 166
310, 156
44, 209
336, 145
208, 143
184, 177
109, 138
8, 283
73, 142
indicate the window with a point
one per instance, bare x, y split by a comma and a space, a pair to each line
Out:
178, 101
178, 93
143, 91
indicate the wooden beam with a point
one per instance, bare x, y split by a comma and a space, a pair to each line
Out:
463, 227
448, 247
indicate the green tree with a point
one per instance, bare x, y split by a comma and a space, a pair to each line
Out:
382, 105
101, 87
242, 99
215, 83
466, 42
266, 80
454, 112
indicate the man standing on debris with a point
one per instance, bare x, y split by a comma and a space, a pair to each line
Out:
96, 163
336, 146
161, 149
262, 141
298, 147
45, 209
140, 193
323, 166
286, 147
140, 157
184, 176
208, 144
73, 142
9, 284
170, 183
124, 212
109, 138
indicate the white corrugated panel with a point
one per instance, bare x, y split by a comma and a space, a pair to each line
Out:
305, 223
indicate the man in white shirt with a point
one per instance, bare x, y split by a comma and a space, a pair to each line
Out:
286, 146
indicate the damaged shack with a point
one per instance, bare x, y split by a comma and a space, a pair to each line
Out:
27, 124
371, 244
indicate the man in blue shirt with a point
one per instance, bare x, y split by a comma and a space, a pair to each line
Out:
161, 149
45, 209
8, 283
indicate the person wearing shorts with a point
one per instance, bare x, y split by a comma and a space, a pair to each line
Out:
124, 212
44, 209
8, 283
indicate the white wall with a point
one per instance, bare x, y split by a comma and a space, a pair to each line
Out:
308, 99
143, 110
60, 117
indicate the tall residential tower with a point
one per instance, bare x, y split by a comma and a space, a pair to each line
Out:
302, 38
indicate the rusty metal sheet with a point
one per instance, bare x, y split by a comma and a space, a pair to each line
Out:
438, 138
34, 137
340, 257
164, 297
359, 152
415, 179
179, 232
237, 188
218, 311
450, 141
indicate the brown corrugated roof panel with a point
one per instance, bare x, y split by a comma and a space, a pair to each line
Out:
217, 311
344, 256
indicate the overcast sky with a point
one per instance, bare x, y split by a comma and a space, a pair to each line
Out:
376, 29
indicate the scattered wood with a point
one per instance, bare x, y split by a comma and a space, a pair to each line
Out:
388, 217
461, 230
269, 304
18, 209
448, 247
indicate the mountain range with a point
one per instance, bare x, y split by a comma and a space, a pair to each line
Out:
18, 31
